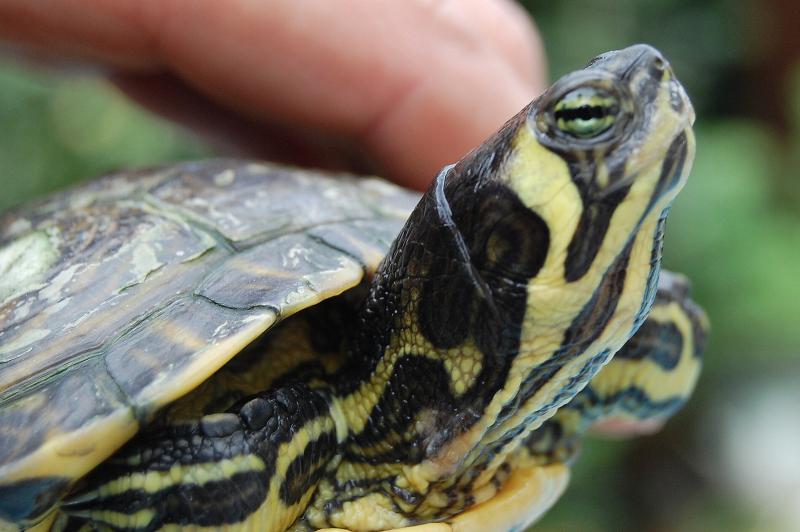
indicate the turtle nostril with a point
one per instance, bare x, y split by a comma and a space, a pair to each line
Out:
659, 68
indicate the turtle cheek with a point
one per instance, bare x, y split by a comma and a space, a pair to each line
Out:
516, 247
445, 325
512, 250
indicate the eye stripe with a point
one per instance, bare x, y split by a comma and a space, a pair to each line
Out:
590, 234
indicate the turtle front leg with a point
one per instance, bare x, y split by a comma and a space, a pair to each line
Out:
252, 468
646, 382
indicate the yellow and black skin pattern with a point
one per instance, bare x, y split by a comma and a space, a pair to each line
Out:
520, 273
646, 382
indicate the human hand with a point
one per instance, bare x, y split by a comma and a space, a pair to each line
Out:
398, 88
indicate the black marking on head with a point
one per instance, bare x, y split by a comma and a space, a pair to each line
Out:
671, 167
469, 250
443, 307
657, 341
482, 288
592, 227
584, 330
592, 320
587, 326
507, 245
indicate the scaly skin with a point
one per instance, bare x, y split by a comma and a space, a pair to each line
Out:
523, 269
646, 382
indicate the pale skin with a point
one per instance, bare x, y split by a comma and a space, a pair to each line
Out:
401, 88
398, 88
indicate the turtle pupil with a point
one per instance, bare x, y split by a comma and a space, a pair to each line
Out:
584, 112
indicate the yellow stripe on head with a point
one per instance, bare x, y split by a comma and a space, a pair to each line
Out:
656, 371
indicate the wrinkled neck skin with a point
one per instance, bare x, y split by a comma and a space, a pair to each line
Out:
471, 337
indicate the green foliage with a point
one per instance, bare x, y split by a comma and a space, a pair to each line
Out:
739, 249
576, 30
59, 130
735, 231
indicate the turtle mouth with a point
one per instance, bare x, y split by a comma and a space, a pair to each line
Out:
675, 163
678, 98
673, 169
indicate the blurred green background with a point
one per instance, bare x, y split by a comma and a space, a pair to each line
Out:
731, 459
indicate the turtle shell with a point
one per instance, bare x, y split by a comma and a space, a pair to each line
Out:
122, 295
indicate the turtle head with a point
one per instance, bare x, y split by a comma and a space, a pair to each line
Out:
522, 270
622, 126
542, 246
587, 172
604, 146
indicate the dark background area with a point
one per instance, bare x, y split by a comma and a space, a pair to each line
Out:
729, 460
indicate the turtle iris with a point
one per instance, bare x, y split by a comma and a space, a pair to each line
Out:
585, 112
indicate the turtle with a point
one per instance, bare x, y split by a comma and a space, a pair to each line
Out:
240, 345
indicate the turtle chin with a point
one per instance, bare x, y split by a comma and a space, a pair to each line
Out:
673, 171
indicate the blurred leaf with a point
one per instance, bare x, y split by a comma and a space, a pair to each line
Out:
57, 131
741, 253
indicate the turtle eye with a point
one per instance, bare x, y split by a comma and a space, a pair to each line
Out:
585, 112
